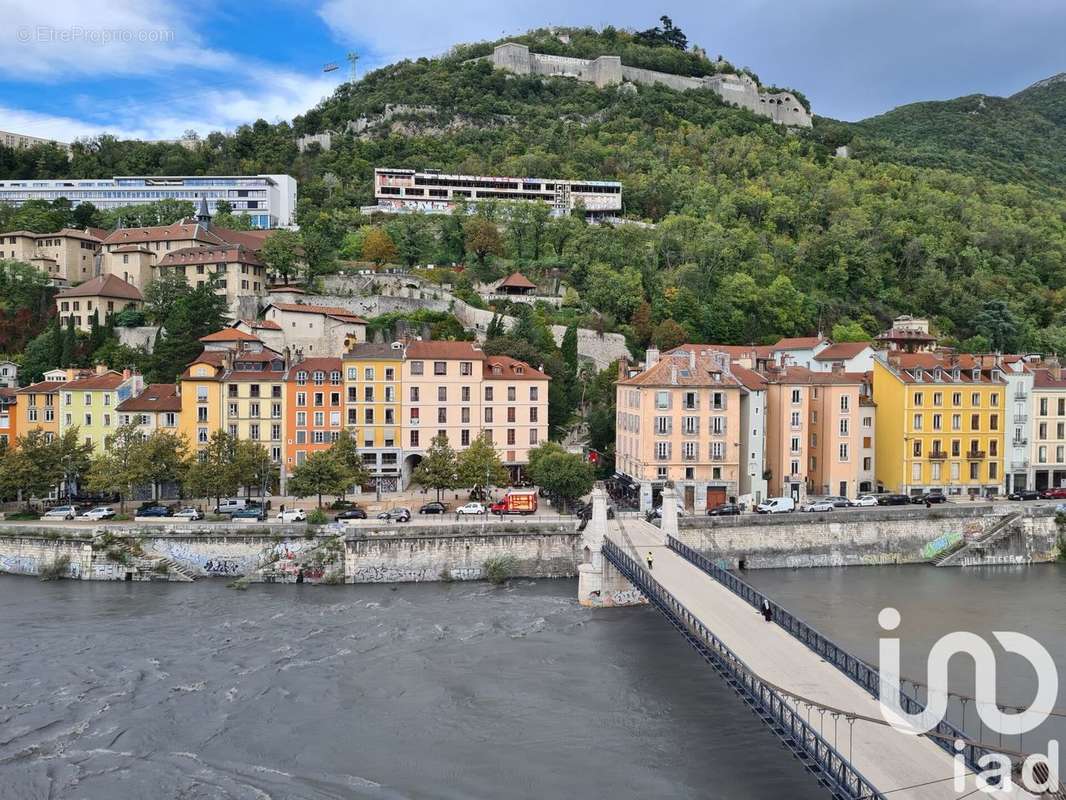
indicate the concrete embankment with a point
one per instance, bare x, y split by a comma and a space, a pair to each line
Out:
372, 553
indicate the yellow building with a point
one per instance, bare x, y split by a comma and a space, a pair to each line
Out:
940, 423
373, 406
91, 404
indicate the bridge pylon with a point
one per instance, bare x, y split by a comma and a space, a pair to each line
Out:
599, 583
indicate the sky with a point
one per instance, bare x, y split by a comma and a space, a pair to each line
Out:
152, 69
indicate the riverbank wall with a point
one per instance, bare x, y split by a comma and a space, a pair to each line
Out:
390, 553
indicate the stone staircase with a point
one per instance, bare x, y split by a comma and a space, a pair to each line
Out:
954, 555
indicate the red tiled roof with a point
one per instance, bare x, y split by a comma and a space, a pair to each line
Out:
1044, 379
509, 370
326, 365
109, 380
342, 314
253, 240
74, 233
131, 248
229, 335
735, 351
798, 343
841, 351
259, 324
750, 379
465, 351
516, 280
155, 397
791, 375
104, 286
179, 231
905, 364
229, 254
677, 369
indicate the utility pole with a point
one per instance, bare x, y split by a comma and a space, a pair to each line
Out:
353, 57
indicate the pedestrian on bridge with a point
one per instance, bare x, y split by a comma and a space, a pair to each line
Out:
767, 612
649, 561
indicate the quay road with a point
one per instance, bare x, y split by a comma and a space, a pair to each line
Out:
900, 766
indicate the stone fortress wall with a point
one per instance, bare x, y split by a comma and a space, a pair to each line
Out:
740, 90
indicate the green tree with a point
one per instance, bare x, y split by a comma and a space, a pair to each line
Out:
849, 331
166, 459
32, 469
162, 295
438, 469
69, 343
569, 348
214, 473
998, 324
346, 453
253, 466
479, 466
121, 466
320, 474
482, 239
281, 253
566, 476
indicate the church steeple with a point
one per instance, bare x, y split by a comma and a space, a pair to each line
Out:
203, 216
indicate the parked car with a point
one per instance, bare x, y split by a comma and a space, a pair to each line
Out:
230, 504
250, 514
154, 511
433, 507
1054, 493
776, 505
893, 500
189, 513
839, 501
864, 501
60, 512
353, 513
292, 515
657, 512
724, 510
100, 512
396, 515
822, 505
1024, 494
471, 508
929, 497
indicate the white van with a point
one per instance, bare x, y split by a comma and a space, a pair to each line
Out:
776, 505
230, 504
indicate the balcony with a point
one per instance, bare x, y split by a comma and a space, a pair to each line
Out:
717, 456
975, 455
1022, 464
690, 457
938, 455
1020, 442
1021, 419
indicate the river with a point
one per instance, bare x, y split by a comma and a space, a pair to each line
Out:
116, 690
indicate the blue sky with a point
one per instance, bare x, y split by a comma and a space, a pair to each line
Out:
155, 68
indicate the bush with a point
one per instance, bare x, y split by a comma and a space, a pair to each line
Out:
317, 517
57, 570
499, 568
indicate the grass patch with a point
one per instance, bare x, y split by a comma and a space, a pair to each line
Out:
22, 516
498, 569
317, 517
240, 584
57, 570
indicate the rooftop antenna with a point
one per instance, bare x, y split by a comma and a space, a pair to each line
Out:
353, 57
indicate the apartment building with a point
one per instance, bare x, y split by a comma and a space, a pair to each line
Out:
66, 256
514, 409
314, 408
132, 253
374, 405
38, 404
239, 390
268, 200
430, 191
90, 404
940, 423
1047, 453
232, 269
98, 298
678, 419
8, 417
156, 408
9, 375
788, 435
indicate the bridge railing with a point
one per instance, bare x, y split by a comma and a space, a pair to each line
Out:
864, 674
837, 772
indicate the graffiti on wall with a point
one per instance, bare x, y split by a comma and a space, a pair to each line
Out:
940, 544
19, 565
383, 574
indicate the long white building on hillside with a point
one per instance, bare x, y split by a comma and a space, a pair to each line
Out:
269, 200
433, 192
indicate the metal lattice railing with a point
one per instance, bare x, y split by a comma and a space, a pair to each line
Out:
855, 668
836, 772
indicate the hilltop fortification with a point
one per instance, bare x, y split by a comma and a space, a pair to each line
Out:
741, 90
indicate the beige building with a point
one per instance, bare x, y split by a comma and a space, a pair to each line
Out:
678, 419
236, 271
320, 331
1048, 445
66, 256
452, 388
104, 296
157, 408
123, 248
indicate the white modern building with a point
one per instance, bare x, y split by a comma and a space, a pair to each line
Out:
433, 192
269, 200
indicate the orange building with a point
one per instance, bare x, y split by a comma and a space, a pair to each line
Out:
8, 416
314, 408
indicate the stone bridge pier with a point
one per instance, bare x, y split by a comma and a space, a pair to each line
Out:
599, 583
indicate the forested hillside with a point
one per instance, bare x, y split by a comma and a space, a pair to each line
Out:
758, 231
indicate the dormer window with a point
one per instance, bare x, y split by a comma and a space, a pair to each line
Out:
518, 370
301, 378
977, 374
319, 377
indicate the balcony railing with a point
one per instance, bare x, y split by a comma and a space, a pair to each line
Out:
974, 455
1020, 442
1020, 419
938, 455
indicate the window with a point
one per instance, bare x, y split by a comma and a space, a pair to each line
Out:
465, 368
368, 394
368, 416
917, 448
662, 450
917, 422
464, 415
414, 438
975, 399
975, 422
488, 415
368, 373
796, 419
993, 400
918, 397
464, 437
511, 414
319, 419
511, 397
532, 435
442, 394
390, 374
416, 367
975, 473
301, 419
510, 436
533, 393
795, 396
938, 398
662, 399
795, 444
533, 414
442, 416
956, 422
440, 367
464, 394
844, 426
414, 394
916, 473
663, 425
937, 420
1043, 406
488, 394
843, 451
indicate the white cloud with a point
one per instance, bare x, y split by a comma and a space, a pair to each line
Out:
64, 38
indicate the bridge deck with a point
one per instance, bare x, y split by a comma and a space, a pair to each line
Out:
888, 759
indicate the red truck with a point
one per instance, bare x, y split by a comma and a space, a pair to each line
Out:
516, 501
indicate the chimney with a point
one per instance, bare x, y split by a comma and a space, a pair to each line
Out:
1054, 368
101, 369
126, 373
838, 368
651, 357
692, 360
